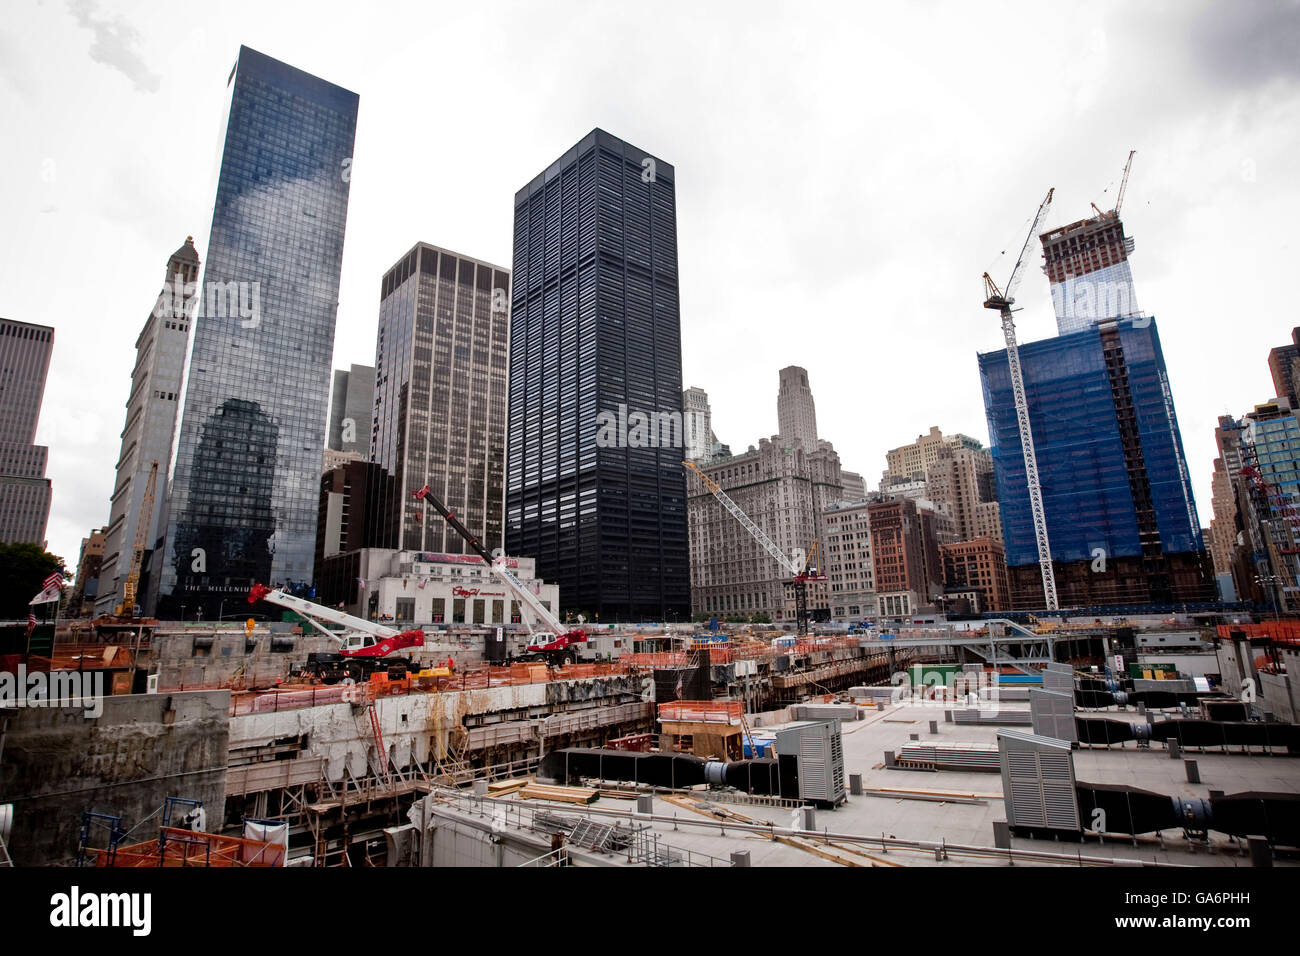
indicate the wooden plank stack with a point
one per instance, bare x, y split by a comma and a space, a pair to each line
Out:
543, 791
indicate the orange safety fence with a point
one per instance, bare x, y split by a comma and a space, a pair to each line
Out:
703, 711
189, 848
1284, 632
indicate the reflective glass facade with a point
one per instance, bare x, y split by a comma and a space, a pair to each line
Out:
245, 492
1092, 467
594, 326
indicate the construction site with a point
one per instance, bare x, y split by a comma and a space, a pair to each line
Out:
307, 736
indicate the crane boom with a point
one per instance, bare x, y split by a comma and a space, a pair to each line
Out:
1002, 303
361, 639
556, 637
1123, 183
758, 533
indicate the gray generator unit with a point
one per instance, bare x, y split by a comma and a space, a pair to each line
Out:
819, 748
1038, 786
1059, 677
1053, 714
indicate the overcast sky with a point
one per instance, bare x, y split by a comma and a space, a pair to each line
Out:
845, 174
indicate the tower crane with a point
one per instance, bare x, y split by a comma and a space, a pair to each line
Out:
803, 572
1000, 301
143, 522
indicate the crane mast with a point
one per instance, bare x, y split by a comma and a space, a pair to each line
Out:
1002, 302
142, 524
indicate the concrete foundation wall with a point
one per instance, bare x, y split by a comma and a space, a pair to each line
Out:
181, 659
420, 726
140, 750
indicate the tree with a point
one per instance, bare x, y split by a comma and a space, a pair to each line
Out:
23, 569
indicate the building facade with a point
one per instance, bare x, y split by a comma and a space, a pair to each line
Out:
25, 351
353, 498
81, 602
352, 410
1121, 519
978, 565
784, 489
697, 424
912, 462
595, 332
795, 409
855, 486
152, 407
1087, 264
1282, 367
245, 493
440, 396
960, 479
907, 569
847, 560
418, 589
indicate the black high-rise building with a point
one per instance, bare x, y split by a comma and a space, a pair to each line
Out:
595, 486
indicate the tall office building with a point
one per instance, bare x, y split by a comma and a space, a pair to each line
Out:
1230, 568
796, 412
151, 409
352, 410
24, 490
697, 424
81, 602
245, 493
1087, 265
1282, 366
847, 560
912, 462
1120, 514
440, 396
855, 486
960, 481
595, 330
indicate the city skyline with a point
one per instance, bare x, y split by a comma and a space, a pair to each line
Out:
1208, 162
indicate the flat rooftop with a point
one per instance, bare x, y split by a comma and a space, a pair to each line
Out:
947, 807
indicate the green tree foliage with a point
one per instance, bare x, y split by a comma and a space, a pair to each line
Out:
22, 569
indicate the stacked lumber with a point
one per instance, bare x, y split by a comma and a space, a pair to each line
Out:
544, 791
503, 788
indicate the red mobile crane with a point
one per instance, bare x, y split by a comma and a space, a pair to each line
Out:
363, 647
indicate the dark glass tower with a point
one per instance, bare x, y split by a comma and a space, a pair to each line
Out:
245, 493
1120, 513
594, 326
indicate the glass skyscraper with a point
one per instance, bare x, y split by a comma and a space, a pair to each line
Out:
595, 334
1118, 500
245, 493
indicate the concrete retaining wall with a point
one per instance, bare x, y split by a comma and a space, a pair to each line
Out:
140, 750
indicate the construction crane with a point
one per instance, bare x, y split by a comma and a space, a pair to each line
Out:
803, 573
995, 298
128, 607
362, 644
1123, 185
552, 641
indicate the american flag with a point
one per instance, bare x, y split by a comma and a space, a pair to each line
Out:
31, 623
55, 578
423, 582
